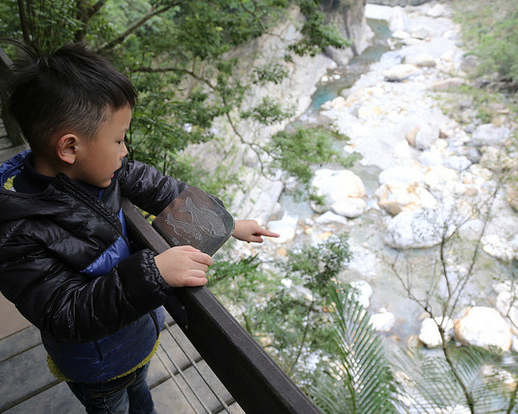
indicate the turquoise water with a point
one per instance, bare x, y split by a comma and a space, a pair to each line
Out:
357, 65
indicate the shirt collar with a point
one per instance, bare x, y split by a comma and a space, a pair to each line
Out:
31, 181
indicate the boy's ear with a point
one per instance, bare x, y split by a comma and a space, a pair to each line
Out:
67, 148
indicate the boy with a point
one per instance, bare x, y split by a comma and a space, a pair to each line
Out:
65, 260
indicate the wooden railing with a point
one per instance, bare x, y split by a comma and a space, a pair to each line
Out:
11, 126
256, 382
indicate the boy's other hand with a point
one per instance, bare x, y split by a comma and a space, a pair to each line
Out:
183, 266
251, 231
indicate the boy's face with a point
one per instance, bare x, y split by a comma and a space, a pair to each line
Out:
101, 156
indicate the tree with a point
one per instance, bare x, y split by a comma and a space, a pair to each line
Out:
176, 52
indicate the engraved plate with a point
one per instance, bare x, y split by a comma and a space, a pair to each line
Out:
195, 218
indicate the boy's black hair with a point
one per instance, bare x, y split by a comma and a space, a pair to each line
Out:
68, 91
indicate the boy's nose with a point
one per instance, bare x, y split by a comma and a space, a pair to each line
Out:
124, 151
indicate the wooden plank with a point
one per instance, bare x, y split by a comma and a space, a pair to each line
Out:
29, 372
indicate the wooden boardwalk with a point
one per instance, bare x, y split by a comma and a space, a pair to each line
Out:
180, 381
7, 150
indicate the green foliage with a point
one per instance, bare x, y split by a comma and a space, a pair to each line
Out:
298, 151
472, 378
266, 112
491, 31
483, 101
175, 52
318, 35
269, 73
360, 380
285, 309
318, 265
227, 269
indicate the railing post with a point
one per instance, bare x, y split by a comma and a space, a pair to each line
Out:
11, 125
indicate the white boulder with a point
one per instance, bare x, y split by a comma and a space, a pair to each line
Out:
362, 292
498, 247
483, 326
329, 217
383, 321
437, 10
426, 137
489, 134
350, 207
396, 196
286, 227
340, 189
429, 333
423, 60
400, 72
415, 229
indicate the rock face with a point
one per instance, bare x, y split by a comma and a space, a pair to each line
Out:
349, 17
294, 92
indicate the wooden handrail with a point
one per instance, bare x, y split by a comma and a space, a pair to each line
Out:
252, 377
11, 125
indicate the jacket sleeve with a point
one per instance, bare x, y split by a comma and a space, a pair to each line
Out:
146, 187
71, 306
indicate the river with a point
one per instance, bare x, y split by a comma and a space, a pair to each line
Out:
398, 103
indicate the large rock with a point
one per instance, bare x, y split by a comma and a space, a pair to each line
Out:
329, 218
418, 229
489, 134
436, 176
498, 247
397, 196
349, 207
362, 292
286, 227
342, 190
496, 159
383, 321
446, 84
429, 333
399, 73
437, 10
483, 326
423, 60
426, 137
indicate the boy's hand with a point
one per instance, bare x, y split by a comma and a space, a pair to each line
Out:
183, 266
250, 231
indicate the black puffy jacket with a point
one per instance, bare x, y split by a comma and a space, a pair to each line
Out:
48, 239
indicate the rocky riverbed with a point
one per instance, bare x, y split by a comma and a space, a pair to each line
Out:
428, 170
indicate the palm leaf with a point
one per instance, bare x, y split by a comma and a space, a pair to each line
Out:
361, 380
433, 387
